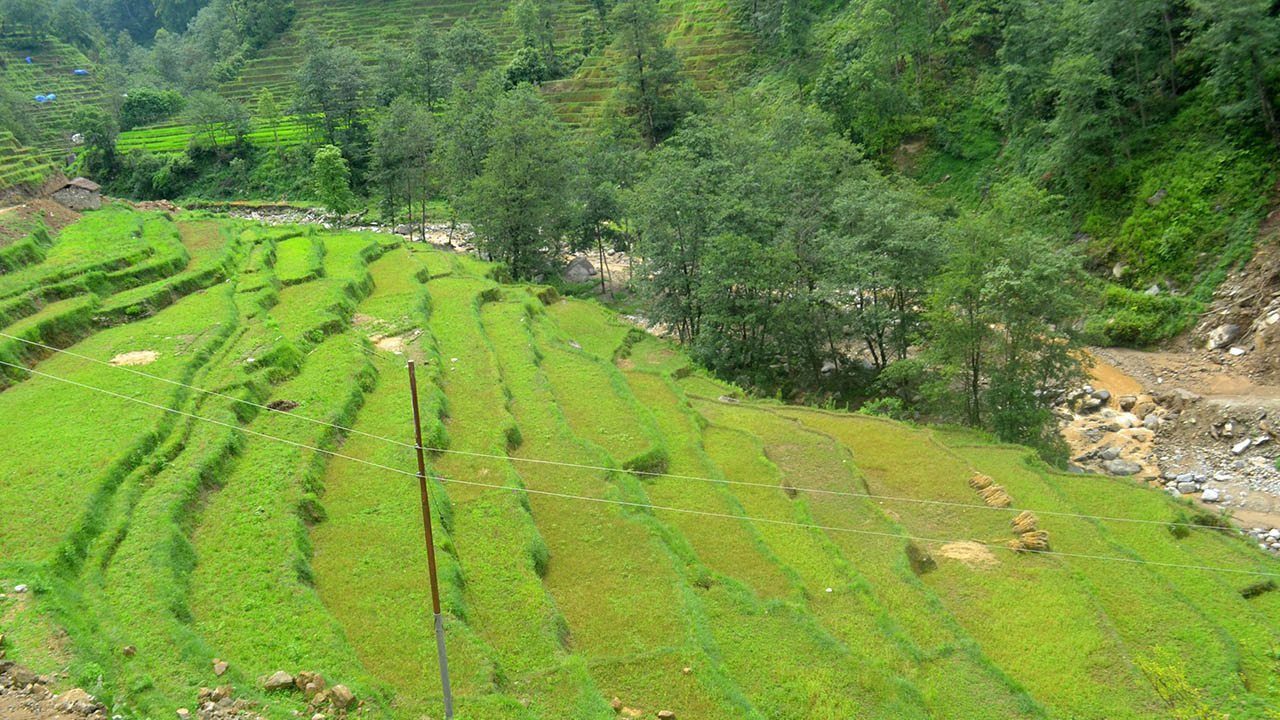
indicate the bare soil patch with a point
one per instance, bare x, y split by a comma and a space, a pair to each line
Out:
16, 221
974, 554
137, 357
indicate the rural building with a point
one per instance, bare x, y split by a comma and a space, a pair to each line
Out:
80, 194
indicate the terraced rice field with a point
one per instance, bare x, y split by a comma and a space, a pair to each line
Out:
21, 166
51, 71
610, 521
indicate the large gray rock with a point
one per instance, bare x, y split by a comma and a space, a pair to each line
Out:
280, 680
1110, 453
579, 270
1210, 495
342, 697
1223, 335
1121, 467
1186, 488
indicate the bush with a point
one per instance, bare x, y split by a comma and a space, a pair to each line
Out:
883, 407
143, 107
1135, 319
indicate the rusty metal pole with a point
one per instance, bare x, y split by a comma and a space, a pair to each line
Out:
431, 546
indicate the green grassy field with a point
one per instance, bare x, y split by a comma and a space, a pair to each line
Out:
750, 559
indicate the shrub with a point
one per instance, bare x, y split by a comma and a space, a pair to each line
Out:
1136, 319
144, 106
883, 407
1252, 591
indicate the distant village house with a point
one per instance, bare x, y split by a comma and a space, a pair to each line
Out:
80, 194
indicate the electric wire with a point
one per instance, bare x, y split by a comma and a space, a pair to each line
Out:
627, 503
601, 468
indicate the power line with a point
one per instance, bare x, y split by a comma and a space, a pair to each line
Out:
627, 503
601, 468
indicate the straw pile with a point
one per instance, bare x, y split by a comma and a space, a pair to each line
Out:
995, 496
1036, 541
980, 481
1024, 523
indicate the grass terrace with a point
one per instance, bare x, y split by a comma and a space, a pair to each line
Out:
679, 547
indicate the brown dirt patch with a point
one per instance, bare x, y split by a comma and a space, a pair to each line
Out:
16, 221
388, 343
137, 357
1105, 375
974, 554
626, 363
360, 319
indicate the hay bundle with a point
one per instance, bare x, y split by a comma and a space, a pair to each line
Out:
1024, 523
995, 496
1036, 541
980, 481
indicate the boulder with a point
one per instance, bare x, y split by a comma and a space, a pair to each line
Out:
1127, 402
73, 696
220, 693
1223, 335
220, 667
1236, 351
1092, 403
1156, 197
1103, 395
305, 678
1210, 495
1121, 467
1186, 488
1143, 409
1240, 447
342, 697
616, 704
184, 714
579, 270
1152, 291
666, 715
1110, 453
403, 229
1177, 399
280, 680
129, 651
21, 677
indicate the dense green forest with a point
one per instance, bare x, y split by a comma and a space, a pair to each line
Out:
931, 203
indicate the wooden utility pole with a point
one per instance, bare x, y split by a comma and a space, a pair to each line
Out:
431, 546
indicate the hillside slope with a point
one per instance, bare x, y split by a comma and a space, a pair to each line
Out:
610, 522
50, 72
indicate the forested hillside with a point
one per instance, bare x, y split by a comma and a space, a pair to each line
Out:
814, 187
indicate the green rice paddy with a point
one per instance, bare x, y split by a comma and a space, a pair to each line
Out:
715, 582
